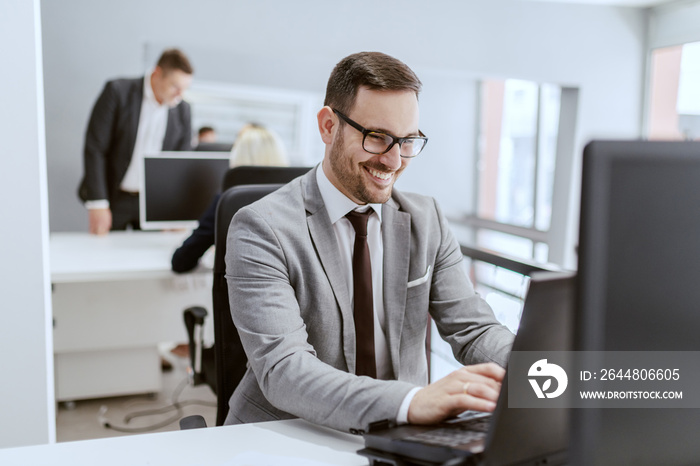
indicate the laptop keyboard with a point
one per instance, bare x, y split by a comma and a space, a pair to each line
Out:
455, 435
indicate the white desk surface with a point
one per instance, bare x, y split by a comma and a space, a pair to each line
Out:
119, 255
213, 446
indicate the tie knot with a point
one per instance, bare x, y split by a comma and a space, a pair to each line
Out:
359, 221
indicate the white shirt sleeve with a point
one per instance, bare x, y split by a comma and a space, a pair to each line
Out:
402, 417
97, 204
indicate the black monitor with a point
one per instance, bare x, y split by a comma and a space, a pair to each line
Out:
638, 289
177, 187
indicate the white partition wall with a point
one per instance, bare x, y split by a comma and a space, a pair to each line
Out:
26, 383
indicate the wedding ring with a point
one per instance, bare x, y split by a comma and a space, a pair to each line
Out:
465, 388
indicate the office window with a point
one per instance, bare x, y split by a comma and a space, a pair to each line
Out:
504, 290
519, 122
517, 153
523, 134
674, 97
525, 140
519, 144
503, 242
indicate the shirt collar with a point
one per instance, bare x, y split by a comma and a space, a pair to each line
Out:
337, 203
148, 94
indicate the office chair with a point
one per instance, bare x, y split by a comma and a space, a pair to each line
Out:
204, 362
229, 357
250, 174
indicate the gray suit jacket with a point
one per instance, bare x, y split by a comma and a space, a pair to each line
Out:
291, 304
111, 136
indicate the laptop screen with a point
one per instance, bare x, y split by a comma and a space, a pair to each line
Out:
515, 435
546, 325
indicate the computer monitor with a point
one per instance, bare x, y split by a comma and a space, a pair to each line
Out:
639, 264
177, 187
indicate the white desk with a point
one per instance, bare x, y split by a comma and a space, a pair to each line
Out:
114, 299
214, 446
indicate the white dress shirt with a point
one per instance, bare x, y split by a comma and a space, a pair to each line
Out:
337, 206
149, 136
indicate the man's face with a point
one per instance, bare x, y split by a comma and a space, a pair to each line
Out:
361, 176
169, 86
207, 136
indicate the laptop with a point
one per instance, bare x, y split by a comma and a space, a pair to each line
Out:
517, 436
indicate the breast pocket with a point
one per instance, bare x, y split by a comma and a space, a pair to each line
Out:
420, 285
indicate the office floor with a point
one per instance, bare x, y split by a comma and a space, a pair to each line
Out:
82, 421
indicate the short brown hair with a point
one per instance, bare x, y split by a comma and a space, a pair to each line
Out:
204, 129
373, 70
174, 59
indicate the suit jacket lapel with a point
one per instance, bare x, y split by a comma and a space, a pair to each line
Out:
172, 129
134, 109
396, 236
323, 237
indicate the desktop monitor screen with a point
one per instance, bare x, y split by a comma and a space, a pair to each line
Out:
177, 187
639, 264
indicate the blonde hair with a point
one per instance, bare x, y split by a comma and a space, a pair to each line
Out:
256, 145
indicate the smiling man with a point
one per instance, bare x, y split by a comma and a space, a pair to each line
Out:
132, 118
332, 277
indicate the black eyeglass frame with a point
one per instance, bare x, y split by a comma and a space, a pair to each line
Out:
394, 139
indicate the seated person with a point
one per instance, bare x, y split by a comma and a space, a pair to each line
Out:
332, 277
206, 134
255, 145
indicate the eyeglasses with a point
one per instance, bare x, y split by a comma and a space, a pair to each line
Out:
376, 142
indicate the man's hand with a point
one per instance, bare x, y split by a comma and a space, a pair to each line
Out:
100, 221
471, 387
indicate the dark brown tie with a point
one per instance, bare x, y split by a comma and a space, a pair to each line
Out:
362, 291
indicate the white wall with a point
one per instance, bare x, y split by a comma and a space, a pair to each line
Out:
674, 24
26, 387
294, 44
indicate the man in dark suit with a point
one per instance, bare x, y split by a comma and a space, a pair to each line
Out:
132, 118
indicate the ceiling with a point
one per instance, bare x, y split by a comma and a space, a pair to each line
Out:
632, 3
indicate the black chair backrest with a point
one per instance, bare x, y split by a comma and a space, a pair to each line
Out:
242, 185
246, 174
230, 359
214, 147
